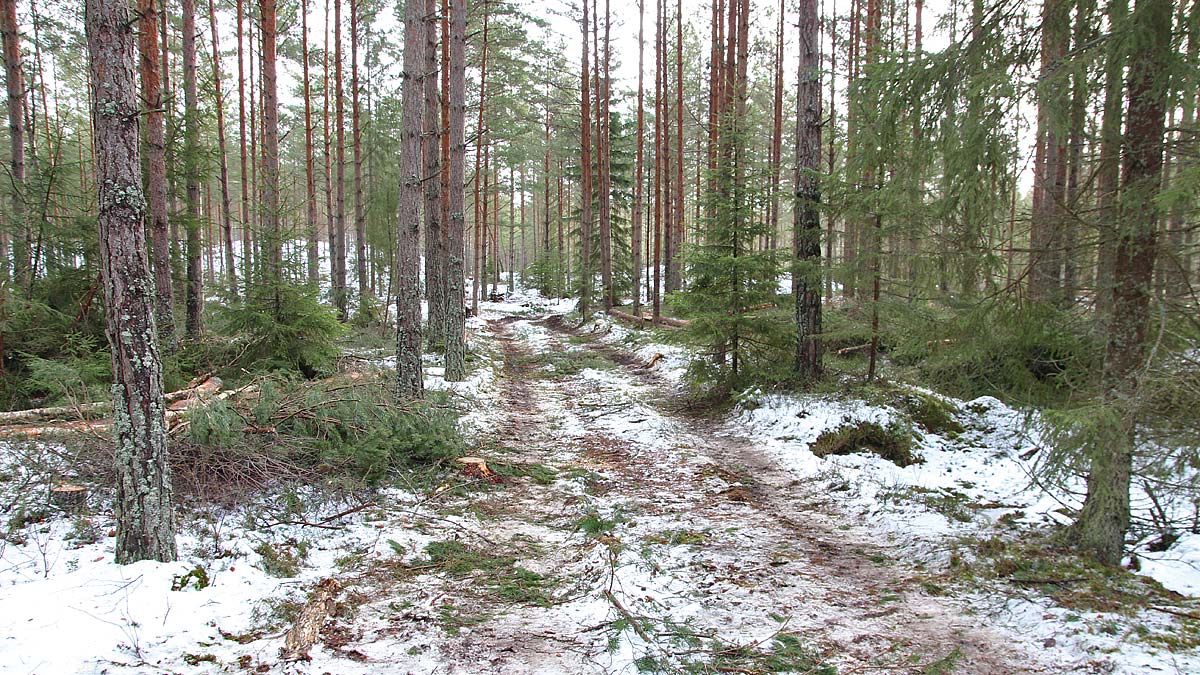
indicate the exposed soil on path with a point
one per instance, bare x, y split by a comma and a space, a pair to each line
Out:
635, 538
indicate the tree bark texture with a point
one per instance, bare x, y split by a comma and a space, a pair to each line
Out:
806, 244
223, 155
144, 510
455, 317
191, 169
15, 79
409, 377
1105, 515
156, 181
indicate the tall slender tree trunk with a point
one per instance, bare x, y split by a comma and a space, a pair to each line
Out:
409, 375
832, 124
659, 155
223, 156
677, 282
360, 213
604, 145
640, 169
431, 145
480, 249
330, 218
668, 202
15, 78
871, 180
455, 317
191, 170
1108, 171
806, 235
1049, 217
1104, 517
339, 213
156, 183
310, 174
272, 225
585, 161
775, 156
144, 510
246, 160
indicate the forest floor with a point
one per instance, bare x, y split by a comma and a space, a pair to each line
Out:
616, 529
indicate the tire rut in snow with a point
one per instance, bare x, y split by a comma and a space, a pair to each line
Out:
873, 600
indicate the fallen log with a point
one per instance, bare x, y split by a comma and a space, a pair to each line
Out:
102, 409
304, 632
846, 351
97, 423
626, 316
648, 319
60, 413
674, 323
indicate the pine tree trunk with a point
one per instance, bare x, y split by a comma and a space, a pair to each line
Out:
409, 375
156, 183
191, 170
310, 177
144, 511
360, 213
431, 146
640, 169
1104, 517
455, 317
806, 236
272, 227
15, 77
659, 154
1108, 171
246, 160
585, 162
327, 154
1049, 217
668, 196
604, 141
677, 282
775, 156
339, 237
480, 249
223, 156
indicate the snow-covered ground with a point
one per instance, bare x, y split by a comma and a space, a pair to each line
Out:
675, 554
971, 485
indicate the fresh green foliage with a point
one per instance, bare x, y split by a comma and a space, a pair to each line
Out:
282, 561
283, 328
1024, 353
341, 427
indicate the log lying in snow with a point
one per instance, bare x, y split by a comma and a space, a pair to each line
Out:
304, 632
177, 400
87, 411
93, 416
646, 318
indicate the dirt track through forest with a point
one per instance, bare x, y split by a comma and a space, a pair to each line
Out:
655, 541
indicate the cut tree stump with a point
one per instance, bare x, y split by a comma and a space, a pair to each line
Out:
304, 632
68, 497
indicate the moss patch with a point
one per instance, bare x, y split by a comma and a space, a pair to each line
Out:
893, 442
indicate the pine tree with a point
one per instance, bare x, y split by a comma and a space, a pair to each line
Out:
455, 318
806, 235
222, 155
409, 375
144, 508
192, 161
160, 233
